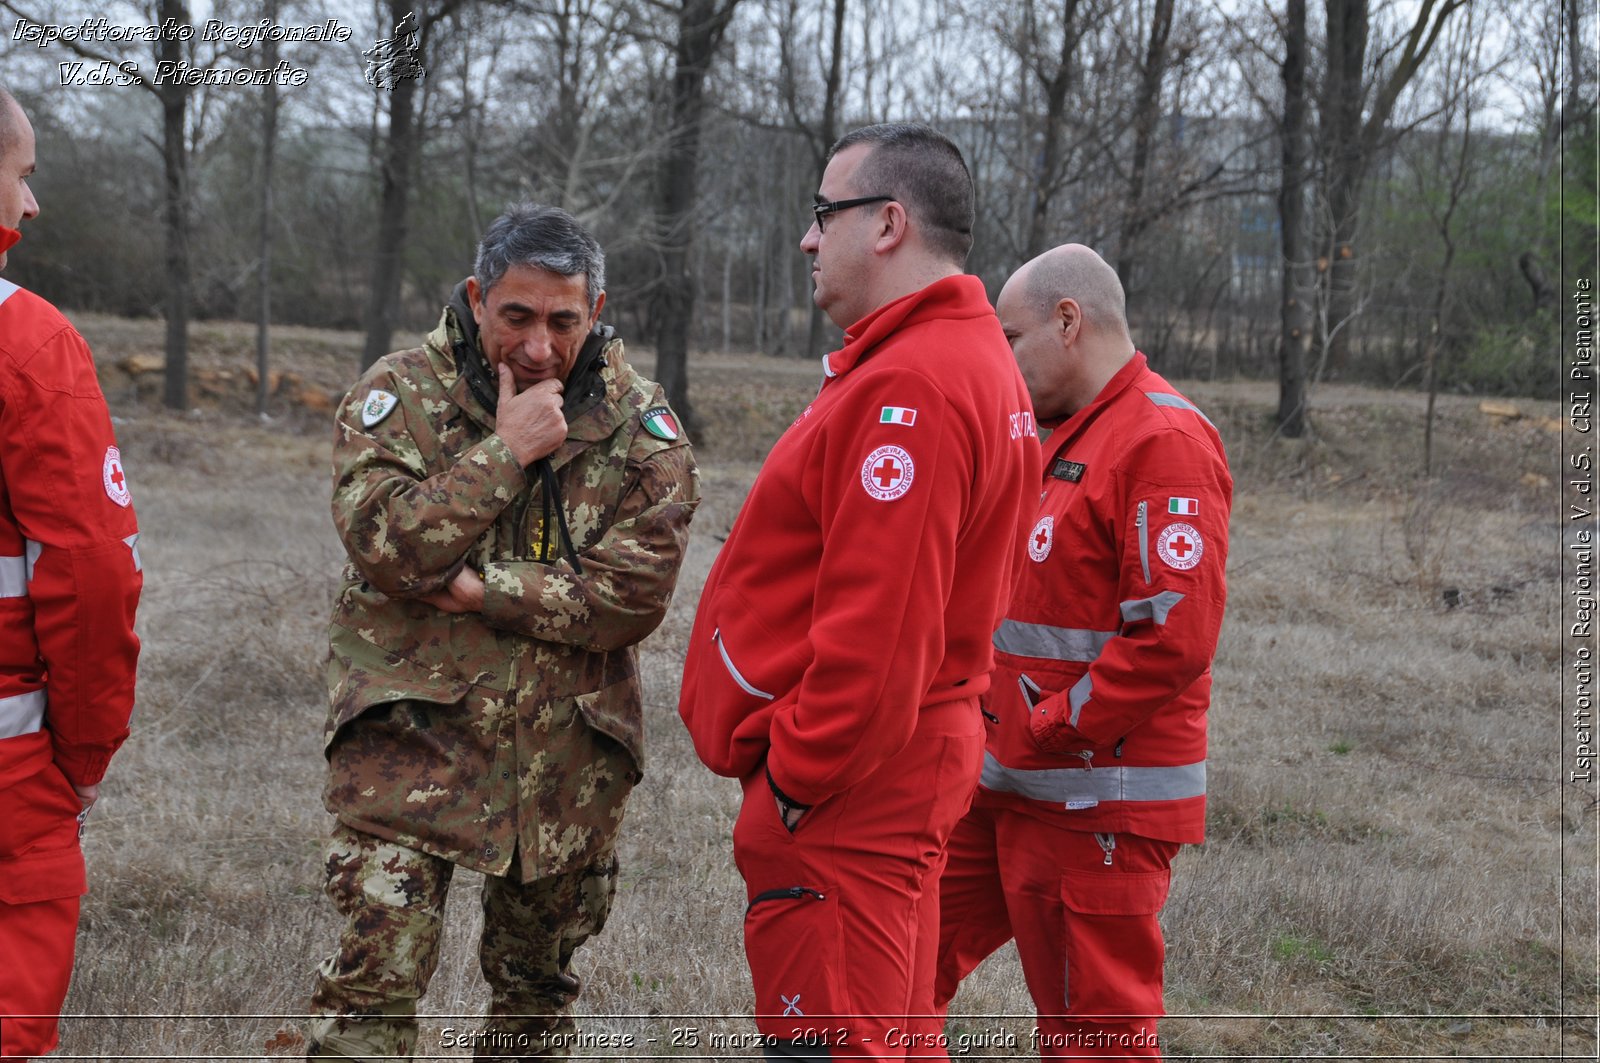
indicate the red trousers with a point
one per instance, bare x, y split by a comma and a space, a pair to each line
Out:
1082, 908
843, 913
41, 880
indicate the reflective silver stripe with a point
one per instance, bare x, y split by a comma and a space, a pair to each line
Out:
132, 543
1102, 784
31, 550
1049, 642
1154, 608
1078, 697
22, 714
13, 576
727, 662
1162, 398
7, 290
1142, 522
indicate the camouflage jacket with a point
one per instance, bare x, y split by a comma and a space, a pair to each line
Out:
472, 736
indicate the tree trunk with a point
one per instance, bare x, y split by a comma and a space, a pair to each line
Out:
1055, 82
1343, 95
826, 135
701, 24
1295, 306
1147, 112
175, 214
1353, 143
269, 138
398, 170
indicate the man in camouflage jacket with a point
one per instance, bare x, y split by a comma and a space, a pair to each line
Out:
515, 502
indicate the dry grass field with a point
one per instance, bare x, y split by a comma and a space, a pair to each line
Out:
1394, 869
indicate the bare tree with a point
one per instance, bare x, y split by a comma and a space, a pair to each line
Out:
269, 144
1451, 163
173, 94
1356, 106
402, 146
1297, 282
701, 25
1146, 115
1056, 74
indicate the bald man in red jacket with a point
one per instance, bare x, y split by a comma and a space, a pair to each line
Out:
69, 584
843, 637
1095, 769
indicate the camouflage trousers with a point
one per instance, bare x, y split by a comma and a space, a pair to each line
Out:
392, 898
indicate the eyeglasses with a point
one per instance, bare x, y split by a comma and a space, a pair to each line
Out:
820, 211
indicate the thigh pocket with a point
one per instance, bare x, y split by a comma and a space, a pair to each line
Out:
40, 859
793, 938
1114, 947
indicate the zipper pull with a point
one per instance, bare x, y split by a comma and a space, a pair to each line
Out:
1117, 750
1088, 759
1108, 844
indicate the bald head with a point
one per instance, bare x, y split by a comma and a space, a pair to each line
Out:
1076, 272
1064, 315
10, 111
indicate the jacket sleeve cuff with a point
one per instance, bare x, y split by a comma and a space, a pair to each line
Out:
82, 767
783, 798
496, 454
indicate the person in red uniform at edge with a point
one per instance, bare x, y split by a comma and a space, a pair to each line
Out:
69, 584
843, 636
1095, 769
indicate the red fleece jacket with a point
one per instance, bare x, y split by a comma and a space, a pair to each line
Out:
870, 565
69, 571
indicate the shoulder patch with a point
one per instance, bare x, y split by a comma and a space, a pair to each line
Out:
887, 473
1180, 545
379, 405
660, 422
898, 415
116, 482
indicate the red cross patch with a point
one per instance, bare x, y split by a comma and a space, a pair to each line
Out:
1180, 545
115, 480
1042, 538
887, 473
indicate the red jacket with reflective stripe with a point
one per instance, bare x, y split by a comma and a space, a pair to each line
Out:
868, 568
1104, 658
69, 571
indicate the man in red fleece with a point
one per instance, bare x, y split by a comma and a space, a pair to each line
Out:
1095, 770
844, 634
69, 583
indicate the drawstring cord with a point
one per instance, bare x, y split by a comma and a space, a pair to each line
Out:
550, 499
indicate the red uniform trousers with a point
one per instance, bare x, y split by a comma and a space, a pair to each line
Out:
1082, 907
41, 879
843, 915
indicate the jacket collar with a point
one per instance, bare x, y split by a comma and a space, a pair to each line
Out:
1120, 381
959, 296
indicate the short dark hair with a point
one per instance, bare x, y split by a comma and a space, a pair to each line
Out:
925, 172
548, 238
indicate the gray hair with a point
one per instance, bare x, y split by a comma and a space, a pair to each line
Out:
547, 238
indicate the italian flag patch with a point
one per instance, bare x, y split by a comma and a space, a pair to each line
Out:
659, 422
1184, 507
897, 415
